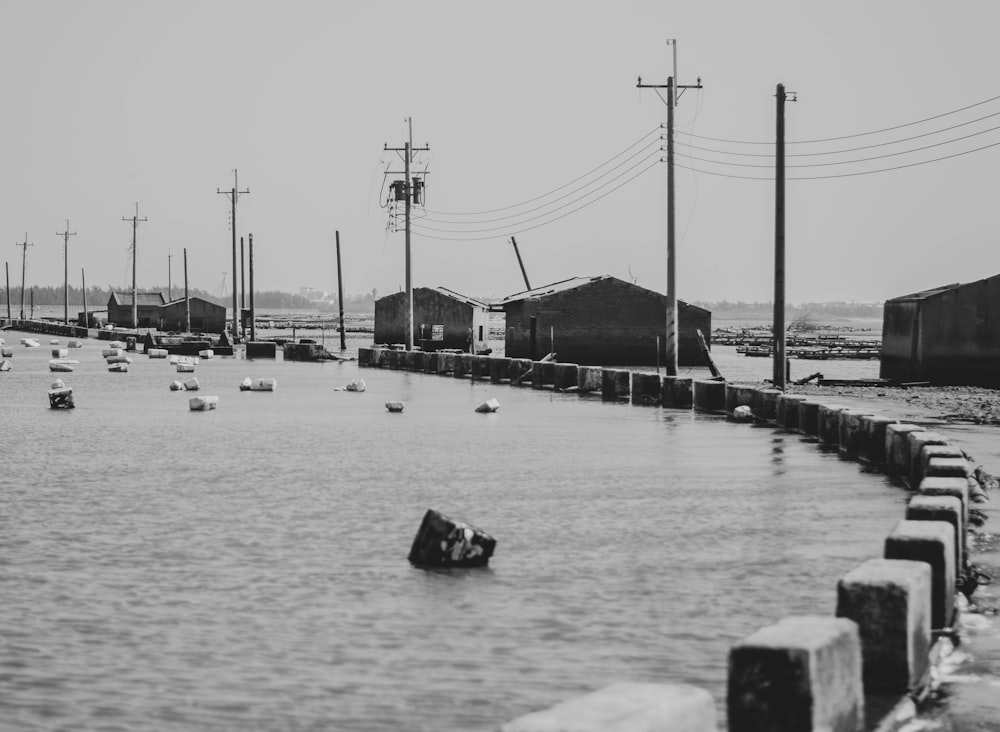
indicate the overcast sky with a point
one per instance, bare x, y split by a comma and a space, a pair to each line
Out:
536, 129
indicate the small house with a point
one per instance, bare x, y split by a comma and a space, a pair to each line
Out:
206, 317
441, 319
947, 335
601, 321
147, 305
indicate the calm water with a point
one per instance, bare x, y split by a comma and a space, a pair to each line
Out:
246, 568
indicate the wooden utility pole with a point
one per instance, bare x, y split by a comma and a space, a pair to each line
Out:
135, 302
243, 293
187, 299
253, 314
24, 266
674, 91
411, 191
7, 267
340, 296
524, 274
780, 371
234, 196
66, 235
86, 315
170, 284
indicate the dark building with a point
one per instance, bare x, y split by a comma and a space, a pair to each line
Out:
441, 319
601, 321
148, 306
949, 335
206, 317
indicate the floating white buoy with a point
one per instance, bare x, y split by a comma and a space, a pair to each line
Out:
203, 403
5, 365
185, 368
118, 344
394, 406
157, 353
176, 386
74, 344
61, 398
490, 405
30, 343
7, 352
742, 413
192, 385
120, 367
57, 364
58, 384
112, 352
249, 384
54, 342
207, 353
245, 384
60, 352
119, 359
356, 385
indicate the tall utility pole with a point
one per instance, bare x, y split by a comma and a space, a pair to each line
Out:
340, 296
253, 312
674, 91
24, 266
187, 299
234, 196
7, 267
243, 292
780, 372
66, 235
135, 297
170, 284
524, 274
409, 190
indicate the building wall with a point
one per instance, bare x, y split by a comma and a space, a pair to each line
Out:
957, 337
206, 317
121, 315
430, 308
605, 322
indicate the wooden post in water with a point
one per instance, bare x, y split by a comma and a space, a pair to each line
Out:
7, 267
779, 371
86, 315
340, 297
253, 314
187, 299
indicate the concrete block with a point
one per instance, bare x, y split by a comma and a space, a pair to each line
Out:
499, 369
394, 359
677, 392
415, 360
626, 707
890, 600
646, 388
564, 375
788, 410
709, 396
828, 424
589, 378
480, 368
463, 365
446, 363
932, 542
802, 673
764, 404
809, 417
916, 441
382, 358
933, 451
431, 362
738, 395
851, 432
444, 542
520, 371
871, 449
365, 359
948, 467
942, 508
614, 384
957, 487
897, 448
543, 374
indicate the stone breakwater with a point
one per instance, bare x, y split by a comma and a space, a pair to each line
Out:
869, 665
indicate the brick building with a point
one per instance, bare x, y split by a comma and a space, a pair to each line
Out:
441, 319
601, 321
947, 335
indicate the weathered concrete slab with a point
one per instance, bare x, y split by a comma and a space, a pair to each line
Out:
709, 396
431, 359
802, 673
364, 356
851, 432
942, 508
788, 410
738, 395
499, 369
957, 487
646, 388
932, 542
948, 467
890, 600
480, 368
543, 374
916, 442
589, 378
828, 424
463, 365
809, 417
614, 384
564, 376
677, 392
897, 448
872, 446
764, 404
626, 707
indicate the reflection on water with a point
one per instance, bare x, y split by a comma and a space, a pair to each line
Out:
246, 568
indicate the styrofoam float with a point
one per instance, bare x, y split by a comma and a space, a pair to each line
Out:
203, 403
119, 368
60, 352
394, 406
62, 364
157, 353
490, 405
192, 385
185, 368
61, 398
176, 386
266, 384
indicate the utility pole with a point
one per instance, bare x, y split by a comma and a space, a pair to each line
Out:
86, 315
24, 266
7, 267
253, 312
780, 371
187, 300
524, 274
66, 235
135, 302
243, 292
234, 196
674, 91
409, 191
170, 284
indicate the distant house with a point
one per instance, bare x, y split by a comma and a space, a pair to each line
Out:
946, 335
441, 319
600, 321
206, 317
148, 306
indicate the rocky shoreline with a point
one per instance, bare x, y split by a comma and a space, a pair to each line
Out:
948, 404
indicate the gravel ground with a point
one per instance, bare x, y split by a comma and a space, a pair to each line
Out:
950, 404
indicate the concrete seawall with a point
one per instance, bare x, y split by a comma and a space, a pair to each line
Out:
868, 665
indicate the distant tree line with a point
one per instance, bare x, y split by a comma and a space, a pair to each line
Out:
822, 310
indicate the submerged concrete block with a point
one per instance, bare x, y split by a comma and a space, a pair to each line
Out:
871, 448
709, 396
809, 417
764, 404
431, 359
589, 378
480, 368
446, 363
443, 542
626, 707
738, 395
948, 467
851, 432
942, 508
543, 374
890, 600
933, 451
380, 358
676, 392
520, 371
415, 360
499, 369
957, 487
614, 384
916, 442
788, 410
646, 388
564, 376
828, 424
463, 365
932, 542
802, 673
897, 447
395, 359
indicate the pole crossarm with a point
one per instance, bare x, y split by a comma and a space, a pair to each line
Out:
135, 221
234, 196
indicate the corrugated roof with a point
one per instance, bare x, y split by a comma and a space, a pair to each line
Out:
553, 288
141, 298
458, 296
